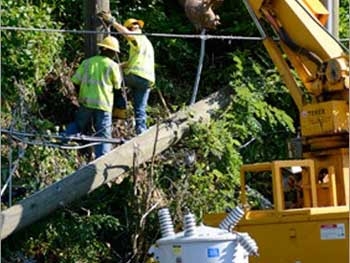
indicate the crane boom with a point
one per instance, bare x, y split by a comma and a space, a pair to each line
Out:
320, 62
319, 59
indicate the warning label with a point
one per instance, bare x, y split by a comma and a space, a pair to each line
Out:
177, 250
213, 252
332, 231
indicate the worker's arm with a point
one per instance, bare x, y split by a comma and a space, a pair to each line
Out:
108, 18
75, 95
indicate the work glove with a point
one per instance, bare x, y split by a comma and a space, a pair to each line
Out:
107, 17
119, 113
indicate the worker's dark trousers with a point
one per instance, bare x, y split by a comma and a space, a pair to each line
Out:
140, 89
102, 122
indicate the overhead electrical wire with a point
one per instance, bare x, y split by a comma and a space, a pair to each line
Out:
59, 141
199, 70
199, 36
166, 35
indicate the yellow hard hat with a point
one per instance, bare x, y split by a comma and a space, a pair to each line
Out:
131, 21
111, 43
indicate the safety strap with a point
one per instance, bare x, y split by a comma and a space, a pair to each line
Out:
123, 85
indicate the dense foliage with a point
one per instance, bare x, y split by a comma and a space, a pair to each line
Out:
27, 58
201, 172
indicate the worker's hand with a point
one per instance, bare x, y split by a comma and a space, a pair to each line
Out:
107, 17
123, 65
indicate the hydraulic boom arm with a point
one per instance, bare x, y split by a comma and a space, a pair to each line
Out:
319, 60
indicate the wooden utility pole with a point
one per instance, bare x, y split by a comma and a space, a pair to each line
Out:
112, 166
92, 23
333, 19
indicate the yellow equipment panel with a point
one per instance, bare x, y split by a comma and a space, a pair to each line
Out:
315, 235
324, 118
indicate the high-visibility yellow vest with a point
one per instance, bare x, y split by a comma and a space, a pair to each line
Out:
141, 59
97, 77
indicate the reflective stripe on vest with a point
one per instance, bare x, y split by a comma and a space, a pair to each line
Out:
141, 59
97, 76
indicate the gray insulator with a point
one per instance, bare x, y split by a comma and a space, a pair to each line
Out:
166, 224
232, 218
235, 256
248, 244
190, 225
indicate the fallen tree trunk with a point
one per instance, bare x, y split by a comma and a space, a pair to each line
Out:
110, 167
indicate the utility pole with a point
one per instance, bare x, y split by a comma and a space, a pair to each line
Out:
333, 19
92, 23
112, 166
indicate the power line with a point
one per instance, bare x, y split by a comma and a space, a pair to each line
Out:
74, 31
59, 141
166, 35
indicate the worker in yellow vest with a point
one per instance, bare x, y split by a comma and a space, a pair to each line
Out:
139, 70
96, 79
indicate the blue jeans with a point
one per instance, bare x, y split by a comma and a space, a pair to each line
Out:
102, 123
140, 89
